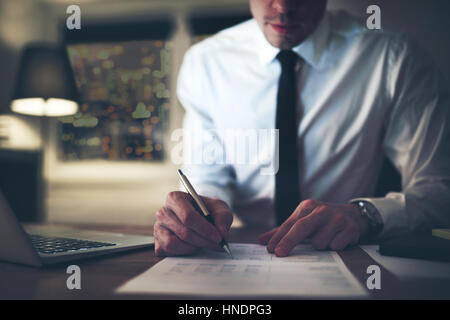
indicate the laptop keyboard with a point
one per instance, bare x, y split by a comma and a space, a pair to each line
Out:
53, 245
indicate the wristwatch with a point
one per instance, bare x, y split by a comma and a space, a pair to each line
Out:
369, 211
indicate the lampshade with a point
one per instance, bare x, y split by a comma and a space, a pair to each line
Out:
45, 83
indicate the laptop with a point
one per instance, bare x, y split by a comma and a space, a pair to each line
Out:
39, 245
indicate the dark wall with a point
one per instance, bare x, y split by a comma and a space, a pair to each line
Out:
8, 64
21, 183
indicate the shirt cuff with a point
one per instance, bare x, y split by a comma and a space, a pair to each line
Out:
392, 212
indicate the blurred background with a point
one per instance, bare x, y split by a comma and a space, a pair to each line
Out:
109, 163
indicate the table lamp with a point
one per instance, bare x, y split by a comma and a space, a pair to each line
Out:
45, 83
45, 87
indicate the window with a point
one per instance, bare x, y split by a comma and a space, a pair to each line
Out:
123, 75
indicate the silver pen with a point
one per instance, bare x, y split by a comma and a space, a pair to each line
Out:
204, 211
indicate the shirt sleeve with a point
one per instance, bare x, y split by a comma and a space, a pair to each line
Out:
203, 152
417, 141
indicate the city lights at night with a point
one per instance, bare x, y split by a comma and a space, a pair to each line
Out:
125, 101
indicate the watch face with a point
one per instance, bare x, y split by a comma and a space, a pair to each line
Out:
374, 216
368, 210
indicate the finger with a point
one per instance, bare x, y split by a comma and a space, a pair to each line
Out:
322, 239
279, 234
301, 230
305, 208
348, 237
181, 204
222, 215
167, 244
170, 221
265, 237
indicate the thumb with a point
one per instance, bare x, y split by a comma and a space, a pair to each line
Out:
221, 214
223, 221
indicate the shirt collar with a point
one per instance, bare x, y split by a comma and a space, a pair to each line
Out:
311, 50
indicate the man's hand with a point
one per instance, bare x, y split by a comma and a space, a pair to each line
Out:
180, 229
333, 226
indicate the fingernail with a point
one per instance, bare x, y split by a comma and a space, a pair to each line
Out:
280, 252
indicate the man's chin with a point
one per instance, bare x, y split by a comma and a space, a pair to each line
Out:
282, 41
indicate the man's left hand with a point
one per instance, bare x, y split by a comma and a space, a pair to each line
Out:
329, 226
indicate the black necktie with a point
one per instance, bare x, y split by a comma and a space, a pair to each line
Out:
287, 189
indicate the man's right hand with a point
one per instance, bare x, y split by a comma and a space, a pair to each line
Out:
180, 229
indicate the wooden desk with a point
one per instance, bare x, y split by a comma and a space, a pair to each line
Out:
101, 276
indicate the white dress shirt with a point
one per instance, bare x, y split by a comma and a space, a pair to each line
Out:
363, 94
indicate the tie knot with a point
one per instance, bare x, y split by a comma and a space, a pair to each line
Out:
287, 58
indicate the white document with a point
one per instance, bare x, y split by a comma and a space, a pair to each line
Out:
406, 268
253, 272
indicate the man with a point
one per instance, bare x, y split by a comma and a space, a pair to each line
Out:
342, 97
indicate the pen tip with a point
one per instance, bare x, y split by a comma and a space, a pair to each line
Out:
227, 249
179, 171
